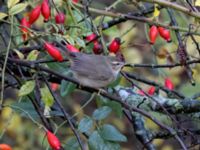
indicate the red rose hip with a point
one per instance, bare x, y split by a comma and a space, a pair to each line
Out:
153, 34
34, 15
53, 51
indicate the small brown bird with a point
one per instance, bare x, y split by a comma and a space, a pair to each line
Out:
93, 70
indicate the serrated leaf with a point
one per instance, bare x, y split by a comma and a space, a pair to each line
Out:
19, 54
66, 88
46, 96
72, 144
33, 55
17, 8
96, 142
11, 3
27, 88
2, 15
101, 113
110, 133
85, 124
80, 42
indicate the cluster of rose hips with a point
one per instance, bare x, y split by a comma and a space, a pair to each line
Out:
43, 9
154, 31
114, 46
151, 91
56, 54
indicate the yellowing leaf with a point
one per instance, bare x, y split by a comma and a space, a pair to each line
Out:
47, 98
19, 54
27, 88
197, 3
17, 8
2, 15
195, 73
11, 3
156, 12
33, 55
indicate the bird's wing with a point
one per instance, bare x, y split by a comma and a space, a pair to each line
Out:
90, 67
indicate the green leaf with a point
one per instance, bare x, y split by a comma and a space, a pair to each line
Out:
96, 142
80, 42
2, 15
47, 98
33, 55
101, 113
72, 144
25, 108
110, 133
27, 88
85, 124
77, 15
115, 106
17, 8
11, 3
66, 88
70, 39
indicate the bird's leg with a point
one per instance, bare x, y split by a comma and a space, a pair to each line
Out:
101, 91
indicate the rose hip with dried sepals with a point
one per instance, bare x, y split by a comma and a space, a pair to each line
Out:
24, 23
